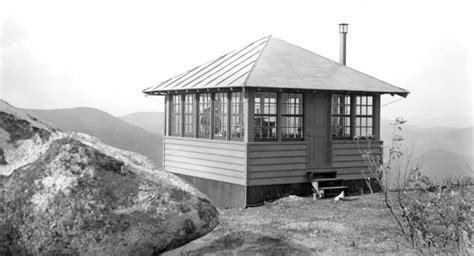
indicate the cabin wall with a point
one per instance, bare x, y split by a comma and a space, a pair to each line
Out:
276, 163
347, 157
216, 160
286, 162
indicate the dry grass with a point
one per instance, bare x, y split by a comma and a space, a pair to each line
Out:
302, 226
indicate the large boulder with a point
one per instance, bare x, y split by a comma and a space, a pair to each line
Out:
70, 194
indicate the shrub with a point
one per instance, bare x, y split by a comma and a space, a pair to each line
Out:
433, 217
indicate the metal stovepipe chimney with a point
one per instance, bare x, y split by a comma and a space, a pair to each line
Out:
343, 32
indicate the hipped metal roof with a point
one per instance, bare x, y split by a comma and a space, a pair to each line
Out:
274, 63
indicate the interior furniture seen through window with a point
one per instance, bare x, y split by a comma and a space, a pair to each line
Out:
341, 116
204, 115
292, 116
265, 116
237, 116
220, 116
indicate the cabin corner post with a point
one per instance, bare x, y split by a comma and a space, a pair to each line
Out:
168, 99
165, 124
329, 132
279, 120
353, 114
229, 115
306, 115
246, 116
377, 117
196, 115
182, 110
211, 116
250, 115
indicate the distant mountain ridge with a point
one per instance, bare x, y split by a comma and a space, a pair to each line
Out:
150, 121
440, 151
109, 129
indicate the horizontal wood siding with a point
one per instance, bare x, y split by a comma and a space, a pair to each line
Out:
347, 158
276, 163
209, 159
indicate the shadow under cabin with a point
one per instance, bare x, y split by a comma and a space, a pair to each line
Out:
267, 120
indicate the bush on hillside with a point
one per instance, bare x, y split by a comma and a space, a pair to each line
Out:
435, 217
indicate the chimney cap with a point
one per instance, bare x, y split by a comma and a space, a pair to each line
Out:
343, 27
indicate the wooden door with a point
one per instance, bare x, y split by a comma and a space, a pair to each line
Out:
317, 129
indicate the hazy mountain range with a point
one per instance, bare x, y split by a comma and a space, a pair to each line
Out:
441, 151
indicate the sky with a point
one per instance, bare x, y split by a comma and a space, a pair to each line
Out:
102, 54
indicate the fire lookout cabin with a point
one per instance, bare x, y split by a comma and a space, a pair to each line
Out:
251, 125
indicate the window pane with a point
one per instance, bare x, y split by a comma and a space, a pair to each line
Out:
292, 116
265, 116
204, 115
237, 116
364, 118
370, 131
220, 115
341, 111
175, 113
189, 115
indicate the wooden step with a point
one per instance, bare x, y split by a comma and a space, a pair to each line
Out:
327, 179
321, 175
333, 188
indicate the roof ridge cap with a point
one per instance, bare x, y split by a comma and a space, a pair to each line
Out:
256, 60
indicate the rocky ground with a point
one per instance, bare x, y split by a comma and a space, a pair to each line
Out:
69, 194
303, 226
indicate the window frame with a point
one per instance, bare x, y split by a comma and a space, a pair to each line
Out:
201, 115
295, 106
269, 115
345, 116
189, 114
237, 115
218, 109
359, 115
176, 116
356, 115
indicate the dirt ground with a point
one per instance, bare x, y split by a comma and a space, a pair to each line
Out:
303, 226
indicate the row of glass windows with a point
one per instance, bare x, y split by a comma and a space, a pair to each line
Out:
342, 114
203, 110
265, 116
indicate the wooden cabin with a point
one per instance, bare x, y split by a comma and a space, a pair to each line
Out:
248, 126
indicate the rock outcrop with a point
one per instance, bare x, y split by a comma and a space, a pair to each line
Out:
65, 193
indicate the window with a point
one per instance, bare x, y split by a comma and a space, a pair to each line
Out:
341, 116
292, 116
204, 115
265, 116
220, 116
175, 112
189, 115
237, 116
364, 117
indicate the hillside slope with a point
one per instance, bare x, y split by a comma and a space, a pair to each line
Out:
107, 128
150, 121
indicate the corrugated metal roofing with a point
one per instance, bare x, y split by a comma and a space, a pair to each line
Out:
274, 63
